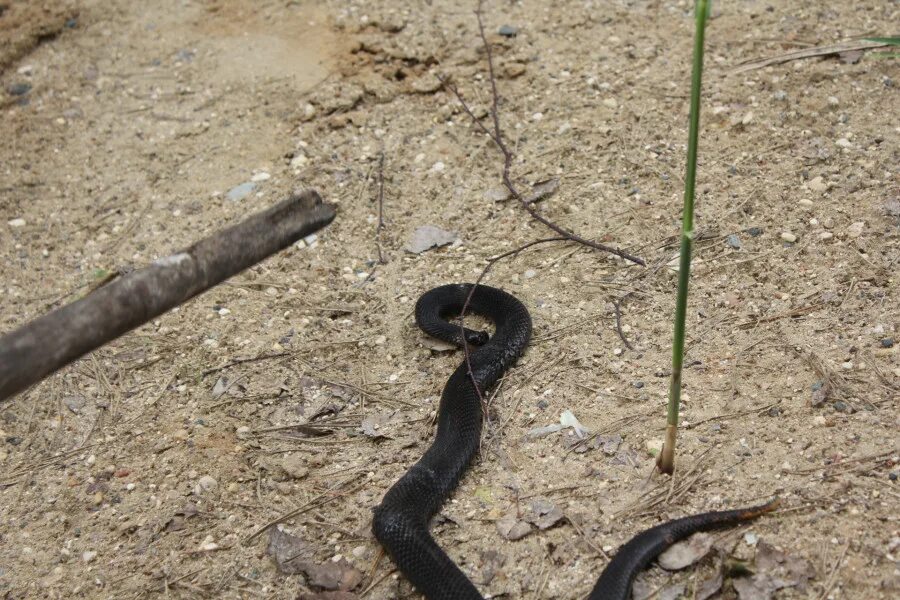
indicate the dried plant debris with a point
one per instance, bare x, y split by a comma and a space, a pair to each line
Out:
292, 555
427, 237
511, 527
685, 553
543, 513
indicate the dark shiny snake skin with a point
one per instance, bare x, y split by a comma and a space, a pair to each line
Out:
400, 523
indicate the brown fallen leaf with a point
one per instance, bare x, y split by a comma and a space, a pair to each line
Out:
709, 587
543, 513
511, 527
684, 554
757, 587
288, 551
333, 576
491, 562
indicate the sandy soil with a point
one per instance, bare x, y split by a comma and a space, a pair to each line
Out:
142, 470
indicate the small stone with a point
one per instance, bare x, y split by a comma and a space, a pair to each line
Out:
19, 89
380, 340
750, 538
733, 241
530, 274
261, 176
17, 222
207, 483
855, 230
299, 161
788, 237
240, 192
537, 116
847, 366
295, 466
826, 235
437, 167
508, 31
844, 143
887, 343
638, 384
88, 556
841, 406
805, 202
817, 184
243, 432
610, 103
755, 231
654, 447
820, 421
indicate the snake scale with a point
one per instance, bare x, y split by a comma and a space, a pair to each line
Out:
400, 522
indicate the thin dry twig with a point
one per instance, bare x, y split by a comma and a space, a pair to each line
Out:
380, 209
462, 326
497, 136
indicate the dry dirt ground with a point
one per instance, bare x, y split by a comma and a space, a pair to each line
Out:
143, 470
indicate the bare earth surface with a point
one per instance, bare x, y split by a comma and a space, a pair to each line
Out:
143, 470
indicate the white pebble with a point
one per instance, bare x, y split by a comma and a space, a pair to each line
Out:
18, 222
88, 556
788, 237
261, 176
530, 273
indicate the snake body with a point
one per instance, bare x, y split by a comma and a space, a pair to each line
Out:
400, 522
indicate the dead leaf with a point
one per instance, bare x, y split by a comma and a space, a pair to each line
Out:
287, 550
511, 528
709, 587
328, 596
427, 237
851, 57
373, 425
820, 395
491, 562
757, 587
335, 576
609, 444
544, 514
793, 571
672, 592
892, 207
684, 554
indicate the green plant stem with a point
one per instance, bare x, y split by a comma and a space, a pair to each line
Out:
666, 461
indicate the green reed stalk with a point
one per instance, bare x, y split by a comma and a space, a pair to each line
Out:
666, 461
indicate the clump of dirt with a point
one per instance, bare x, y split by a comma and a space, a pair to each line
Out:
236, 446
24, 24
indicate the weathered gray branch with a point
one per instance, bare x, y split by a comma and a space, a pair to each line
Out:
52, 341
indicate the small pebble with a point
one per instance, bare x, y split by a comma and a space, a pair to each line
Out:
855, 230
826, 235
788, 237
530, 273
18, 222
207, 483
844, 143
638, 384
610, 103
841, 406
733, 241
261, 176
88, 556
508, 31
755, 231
887, 343
240, 192
19, 89
817, 184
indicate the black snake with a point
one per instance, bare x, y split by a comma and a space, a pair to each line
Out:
400, 523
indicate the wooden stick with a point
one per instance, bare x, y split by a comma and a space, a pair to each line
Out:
56, 339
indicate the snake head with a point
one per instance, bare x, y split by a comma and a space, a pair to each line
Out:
477, 338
